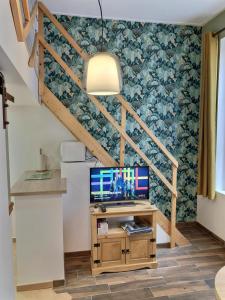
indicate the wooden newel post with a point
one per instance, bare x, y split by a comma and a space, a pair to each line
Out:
122, 140
41, 53
173, 208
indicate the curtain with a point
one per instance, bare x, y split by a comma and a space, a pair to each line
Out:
208, 110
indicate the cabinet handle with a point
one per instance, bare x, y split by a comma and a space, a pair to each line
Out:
125, 251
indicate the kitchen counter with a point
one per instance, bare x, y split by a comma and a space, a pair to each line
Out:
39, 229
55, 185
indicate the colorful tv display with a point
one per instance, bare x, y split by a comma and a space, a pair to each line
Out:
118, 184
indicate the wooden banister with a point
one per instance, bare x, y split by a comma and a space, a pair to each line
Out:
107, 115
17, 18
21, 30
173, 208
63, 31
29, 24
26, 10
122, 140
31, 62
121, 99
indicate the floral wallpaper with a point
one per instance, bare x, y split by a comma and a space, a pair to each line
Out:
161, 79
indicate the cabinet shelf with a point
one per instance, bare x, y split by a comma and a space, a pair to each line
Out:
116, 232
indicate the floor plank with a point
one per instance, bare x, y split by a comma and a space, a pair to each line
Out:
184, 273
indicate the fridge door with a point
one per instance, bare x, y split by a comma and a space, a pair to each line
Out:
76, 203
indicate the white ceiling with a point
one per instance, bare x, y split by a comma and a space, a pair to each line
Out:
194, 12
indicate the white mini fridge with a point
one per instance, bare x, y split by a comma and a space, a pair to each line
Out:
76, 219
76, 202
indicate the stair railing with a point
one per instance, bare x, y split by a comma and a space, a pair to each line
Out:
43, 46
23, 18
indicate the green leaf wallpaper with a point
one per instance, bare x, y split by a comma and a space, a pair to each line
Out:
161, 80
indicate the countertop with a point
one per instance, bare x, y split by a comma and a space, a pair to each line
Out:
55, 185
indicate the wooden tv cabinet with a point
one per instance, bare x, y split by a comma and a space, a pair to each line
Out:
117, 251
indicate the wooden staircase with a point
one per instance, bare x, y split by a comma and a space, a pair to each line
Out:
40, 45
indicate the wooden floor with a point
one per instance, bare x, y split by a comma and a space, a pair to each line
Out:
185, 273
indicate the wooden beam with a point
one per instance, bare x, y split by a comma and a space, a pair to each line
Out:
31, 62
122, 140
29, 25
74, 126
63, 31
173, 208
107, 115
41, 69
17, 18
26, 10
179, 239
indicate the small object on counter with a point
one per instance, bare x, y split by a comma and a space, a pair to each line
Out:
43, 164
103, 227
103, 208
38, 175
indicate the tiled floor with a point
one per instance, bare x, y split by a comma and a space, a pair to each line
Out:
185, 273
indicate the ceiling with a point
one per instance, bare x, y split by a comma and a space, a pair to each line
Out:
194, 12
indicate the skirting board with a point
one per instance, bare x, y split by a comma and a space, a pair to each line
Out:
213, 234
34, 286
39, 286
77, 254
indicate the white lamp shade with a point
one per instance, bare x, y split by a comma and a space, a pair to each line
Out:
102, 75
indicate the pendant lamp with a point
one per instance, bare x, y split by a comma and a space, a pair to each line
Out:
102, 72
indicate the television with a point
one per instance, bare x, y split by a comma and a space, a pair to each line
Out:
119, 184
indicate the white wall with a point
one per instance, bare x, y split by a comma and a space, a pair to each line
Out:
32, 128
16, 51
6, 266
211, 214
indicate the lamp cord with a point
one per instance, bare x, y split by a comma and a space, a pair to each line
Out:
100, 6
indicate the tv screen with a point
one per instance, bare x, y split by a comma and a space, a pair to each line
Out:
119, 183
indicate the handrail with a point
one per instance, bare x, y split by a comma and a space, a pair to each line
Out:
21, 30
29, 24
121, 99
31, 61
26, 10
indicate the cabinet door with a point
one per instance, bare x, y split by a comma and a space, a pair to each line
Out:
111, 252
138, 249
